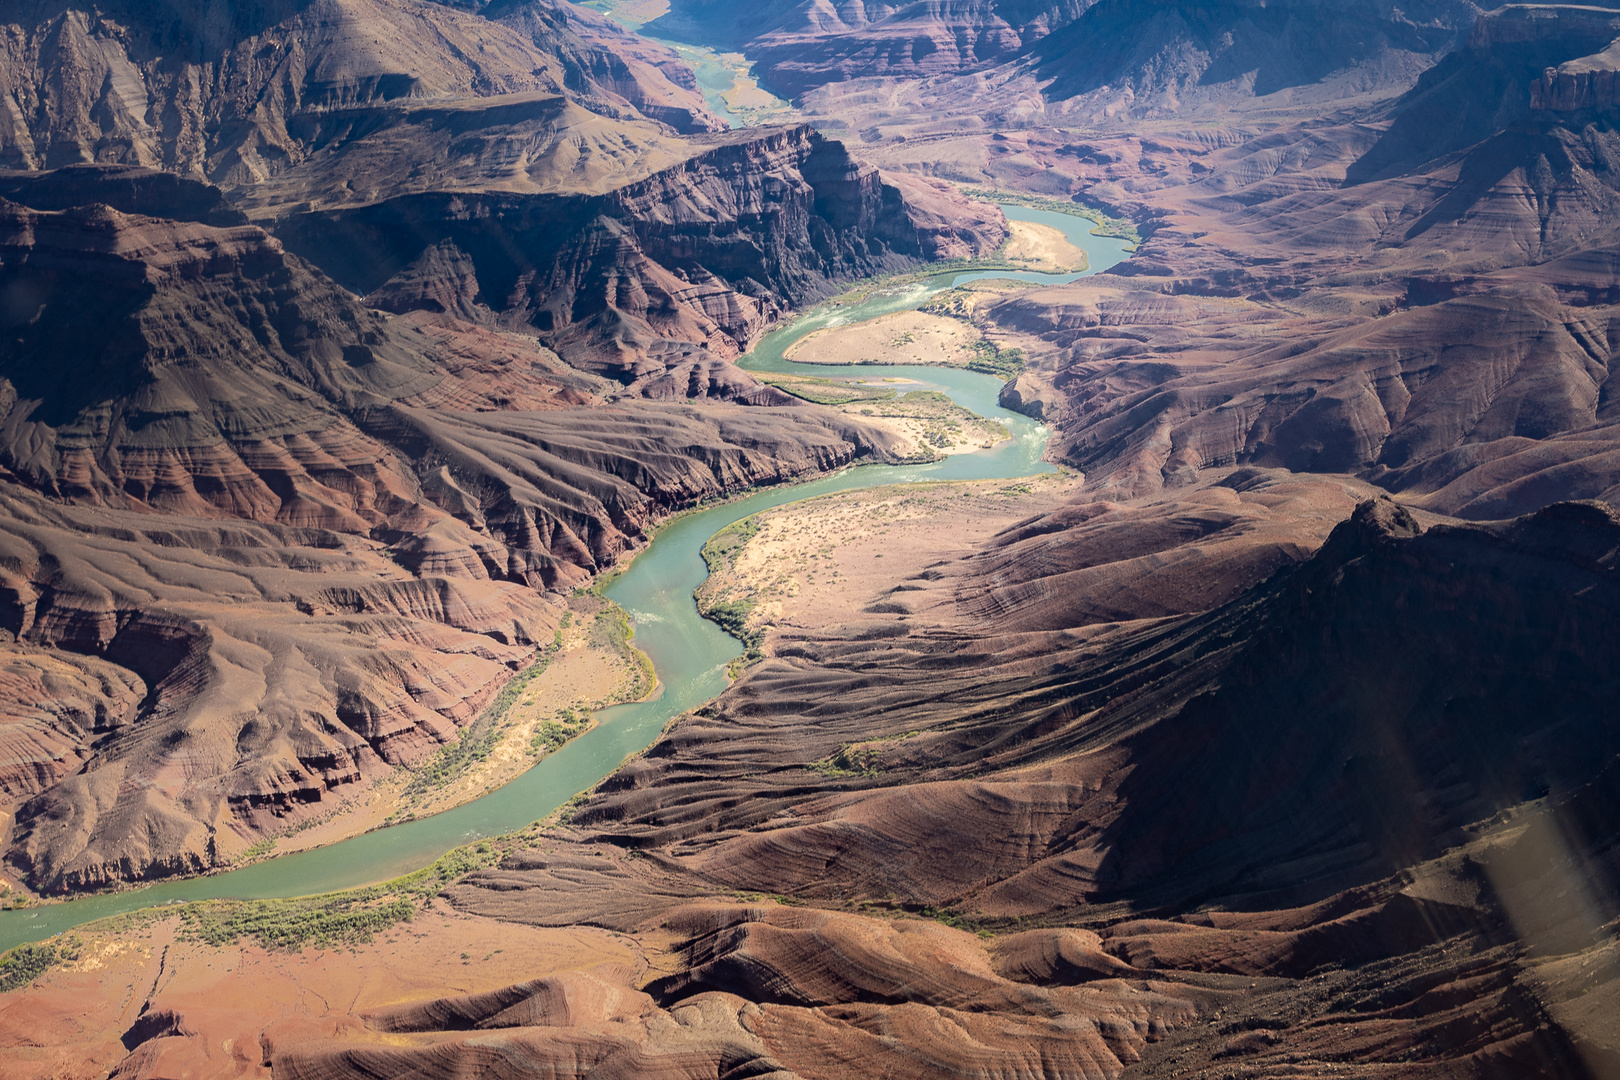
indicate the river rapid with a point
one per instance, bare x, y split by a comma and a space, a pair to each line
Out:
689, 653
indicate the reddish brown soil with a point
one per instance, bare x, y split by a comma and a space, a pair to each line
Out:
1102, 803
1192, 772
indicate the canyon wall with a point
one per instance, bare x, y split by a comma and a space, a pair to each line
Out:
221, 93
799, 47
653, 282
278, 543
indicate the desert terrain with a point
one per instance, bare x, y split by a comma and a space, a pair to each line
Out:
350, 343
314, 533
906, 337
819, 563
1033, 246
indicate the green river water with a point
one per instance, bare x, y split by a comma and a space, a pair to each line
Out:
689, 652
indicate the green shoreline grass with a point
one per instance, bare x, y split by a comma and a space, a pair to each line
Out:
1106, 224
39, 957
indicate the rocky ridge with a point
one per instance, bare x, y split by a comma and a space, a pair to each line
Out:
1421, 296
654, 282
366, 511
170, 360
1023, 785
332, 120
799, 47
236, 96
1422, 880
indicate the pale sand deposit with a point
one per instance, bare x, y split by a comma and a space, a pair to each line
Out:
1042, 247
930, 424
589, 668
836, 566
818, 563
745, 92
906, 337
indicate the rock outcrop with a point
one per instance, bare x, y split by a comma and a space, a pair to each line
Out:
800, 47
1151, 59
541, 142
651, 282
251, 676
236, 96
1155, 389
1423, 304
1522, 69
1109, 780
1227, 778
266, 544
498, 177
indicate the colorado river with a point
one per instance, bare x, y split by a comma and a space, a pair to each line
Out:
689, 652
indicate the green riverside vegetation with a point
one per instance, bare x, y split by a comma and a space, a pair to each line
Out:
343, 918
479, 738
25, 963
1106, 224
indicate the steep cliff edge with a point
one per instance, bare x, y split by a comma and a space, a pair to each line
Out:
1523, 70
799, 47
499, 178
654, 281
1418, 294
1141, 58
1081, 64
529, 142
306, 538
234, 95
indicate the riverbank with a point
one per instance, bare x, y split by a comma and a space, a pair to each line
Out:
905, 337
691, 654
590, 665
1105, 224
821, 563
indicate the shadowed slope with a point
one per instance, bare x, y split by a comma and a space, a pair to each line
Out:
1158, 58
801, 46
1356, 715
240, 94
1426, 306
308, 538
655, 281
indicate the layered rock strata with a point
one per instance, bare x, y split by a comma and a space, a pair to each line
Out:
651, 283
1105, 780
236, 96
267, 544
798, 48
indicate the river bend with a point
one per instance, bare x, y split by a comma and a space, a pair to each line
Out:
689, 653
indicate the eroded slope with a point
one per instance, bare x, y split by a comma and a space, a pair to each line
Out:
298, 540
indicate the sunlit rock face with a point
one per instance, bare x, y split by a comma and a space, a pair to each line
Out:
238, 94
308, 538
704, 254
798, 47
1234, 792
1272, 737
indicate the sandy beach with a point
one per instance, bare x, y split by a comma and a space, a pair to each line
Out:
1042, 247
819, 563
906, 337
590, 668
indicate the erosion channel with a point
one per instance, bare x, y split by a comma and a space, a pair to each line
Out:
690, 653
